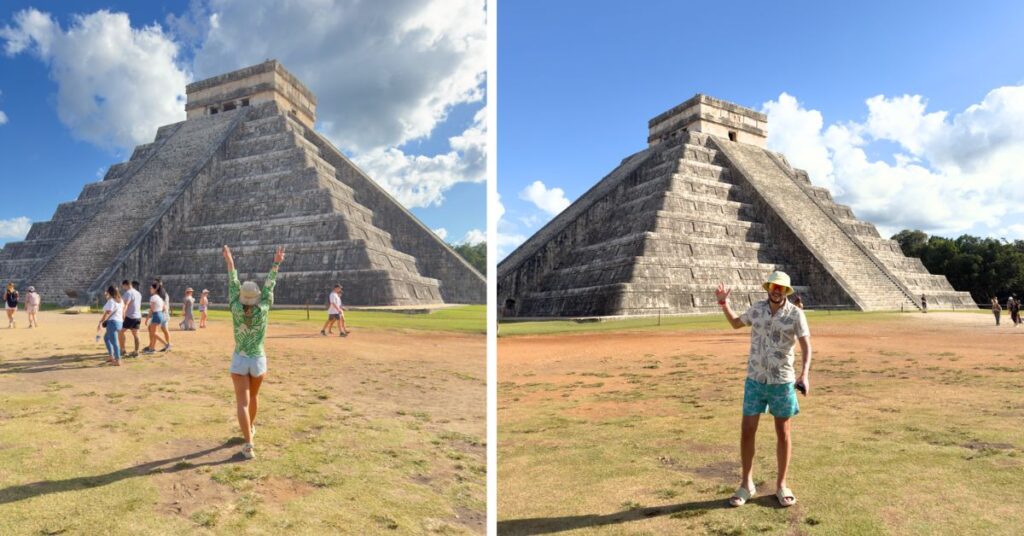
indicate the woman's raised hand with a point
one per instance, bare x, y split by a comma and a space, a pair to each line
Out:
278, 255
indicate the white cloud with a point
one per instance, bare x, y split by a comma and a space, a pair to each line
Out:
441, 233
474, 237
952, 173
115, 84
15, 228
384, 72
3, 117
420, 181
550, 200
508, 242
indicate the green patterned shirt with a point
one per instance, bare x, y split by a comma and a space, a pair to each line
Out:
250, 330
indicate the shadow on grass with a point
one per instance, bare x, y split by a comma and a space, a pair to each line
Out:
168, 465
30, 365
550, 525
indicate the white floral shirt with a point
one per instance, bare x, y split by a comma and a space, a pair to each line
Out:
772, 341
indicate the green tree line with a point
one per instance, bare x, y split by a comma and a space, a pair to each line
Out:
985, 267
475, 255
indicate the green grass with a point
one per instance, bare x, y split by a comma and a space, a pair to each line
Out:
668, 323
465, 319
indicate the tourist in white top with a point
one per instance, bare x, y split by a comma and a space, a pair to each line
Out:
113, 317
335, 313
132, 315
157, 316
32, 300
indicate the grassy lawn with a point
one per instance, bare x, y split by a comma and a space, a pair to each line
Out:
912, 427
465, 319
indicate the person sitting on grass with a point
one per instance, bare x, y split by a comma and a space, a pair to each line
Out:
250, 308
776, 326
335, 313
112, 319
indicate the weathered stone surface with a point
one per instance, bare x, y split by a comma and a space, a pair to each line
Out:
695, 209
254, 177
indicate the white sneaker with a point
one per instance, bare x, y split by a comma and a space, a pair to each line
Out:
248, 451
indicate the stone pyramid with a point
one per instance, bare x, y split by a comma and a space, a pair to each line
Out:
247, 169
707, 203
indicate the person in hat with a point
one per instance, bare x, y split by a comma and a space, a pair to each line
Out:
776, 326
204, 302
250, 308
32, 301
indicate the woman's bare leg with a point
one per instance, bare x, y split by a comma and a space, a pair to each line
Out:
254, 401
242, 404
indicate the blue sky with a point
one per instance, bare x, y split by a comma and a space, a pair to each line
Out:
427, 85
579, 80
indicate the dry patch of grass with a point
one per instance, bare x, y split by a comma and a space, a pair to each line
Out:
382, 431
912, 427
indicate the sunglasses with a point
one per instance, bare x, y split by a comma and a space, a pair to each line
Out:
773, 287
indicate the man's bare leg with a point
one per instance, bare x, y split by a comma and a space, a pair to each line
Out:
784, 449
748, 433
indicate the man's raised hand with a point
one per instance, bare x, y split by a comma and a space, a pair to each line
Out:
722, 292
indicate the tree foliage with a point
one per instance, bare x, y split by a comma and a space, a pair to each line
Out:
475, 255
985, 267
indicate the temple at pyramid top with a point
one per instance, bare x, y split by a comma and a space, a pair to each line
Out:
710, 116
267, 81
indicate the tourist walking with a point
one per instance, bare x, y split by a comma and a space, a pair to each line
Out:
924, 303
132, 315
204, 302
335, 313
798, 301
250, 308
157, 319
32, 301
771, 384
996, 310
112, 319
1014, 307
11, 297
187, 304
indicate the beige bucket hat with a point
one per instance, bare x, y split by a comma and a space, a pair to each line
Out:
779, 278
250, 293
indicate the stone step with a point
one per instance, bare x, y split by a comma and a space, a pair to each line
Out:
292, 158
708, 225
295, 229
341, 254
362, 287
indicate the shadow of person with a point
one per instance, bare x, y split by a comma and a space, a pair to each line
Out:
550, 525
47, 364
168, 465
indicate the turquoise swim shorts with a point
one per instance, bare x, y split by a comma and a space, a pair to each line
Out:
777, 399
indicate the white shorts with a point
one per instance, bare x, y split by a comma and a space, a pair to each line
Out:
248, 366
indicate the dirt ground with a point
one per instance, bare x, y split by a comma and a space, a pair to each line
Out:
384, 428
911, 427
